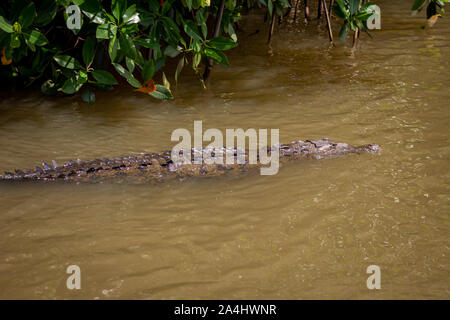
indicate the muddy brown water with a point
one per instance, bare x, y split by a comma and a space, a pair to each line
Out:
308, 232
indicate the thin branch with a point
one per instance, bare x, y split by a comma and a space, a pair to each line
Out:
210, 62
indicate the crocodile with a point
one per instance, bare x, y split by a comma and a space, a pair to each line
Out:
157, 167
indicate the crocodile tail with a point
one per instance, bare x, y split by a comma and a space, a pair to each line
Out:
9, 176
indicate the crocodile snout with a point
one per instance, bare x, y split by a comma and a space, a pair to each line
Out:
374, 148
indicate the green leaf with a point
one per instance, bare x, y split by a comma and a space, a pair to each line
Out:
270, 7
36, 38
191, 30
131, 10
91, 6
131, 16
67, 62
147, 43
418, 5
162, 93
204, 29
106, 31
222, 43
134, 82
98, 18
127, 75
118, 8
112, 48
148, 71
17, 27
15, 40
352, 25
217, 56
27, 15
71, 85
88, 50
340, 10
82, 77
365, 7
364, 15
231, 32
171, 51
354, 4
344, 31
130, 64
172, 30
196, 60
200, 19
196, 46
166, 82
180, 67
94, 11
5, 25
104, 77
29, 44
127, 46
88, 96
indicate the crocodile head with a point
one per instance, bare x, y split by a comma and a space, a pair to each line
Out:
371, 148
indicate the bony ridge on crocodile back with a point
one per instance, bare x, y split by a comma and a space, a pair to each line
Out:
159, 166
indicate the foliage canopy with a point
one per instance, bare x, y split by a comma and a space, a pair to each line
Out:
131, 39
